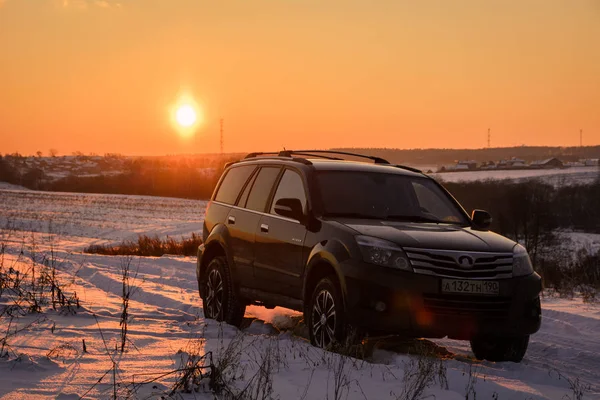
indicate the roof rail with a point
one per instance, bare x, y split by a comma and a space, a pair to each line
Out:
317, 153
409, 168
253, 155
277, 156
322, 154
288, 153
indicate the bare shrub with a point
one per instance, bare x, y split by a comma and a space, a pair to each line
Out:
420, 373
150, 247
578, 387
226, 364
472, 375
128, 286
63, 351
194, 371
260, 385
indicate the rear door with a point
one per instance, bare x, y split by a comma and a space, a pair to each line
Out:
280, 241
243, 220
241, 225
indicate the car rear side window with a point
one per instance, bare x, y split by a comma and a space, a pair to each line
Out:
244, 197
233, 183
261, 189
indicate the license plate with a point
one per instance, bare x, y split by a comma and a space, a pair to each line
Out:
470, 287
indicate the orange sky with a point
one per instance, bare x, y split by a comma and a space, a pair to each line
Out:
102, 76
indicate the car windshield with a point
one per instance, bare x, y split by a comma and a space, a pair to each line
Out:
394, 197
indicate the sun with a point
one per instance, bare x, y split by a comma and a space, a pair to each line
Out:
186, 116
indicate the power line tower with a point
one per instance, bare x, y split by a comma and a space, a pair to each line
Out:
489, 139
581, 138
221, 130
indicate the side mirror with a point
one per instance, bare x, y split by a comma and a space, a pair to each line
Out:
289, 208
481, 220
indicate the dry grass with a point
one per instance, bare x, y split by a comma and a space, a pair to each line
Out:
150, 247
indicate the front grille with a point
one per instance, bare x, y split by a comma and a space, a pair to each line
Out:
480, 306
446, 263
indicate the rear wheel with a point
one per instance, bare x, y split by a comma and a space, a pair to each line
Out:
500, 348
220, 300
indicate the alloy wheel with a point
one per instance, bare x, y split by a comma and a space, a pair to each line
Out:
323, 319
214, 295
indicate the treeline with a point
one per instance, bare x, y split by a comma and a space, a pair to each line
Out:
449, 156
533, 213
521, 209
139, 177
145, 177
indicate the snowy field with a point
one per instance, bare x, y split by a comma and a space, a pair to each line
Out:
44, 353
556, 177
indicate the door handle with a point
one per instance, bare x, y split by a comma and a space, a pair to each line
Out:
264, 228
231, 219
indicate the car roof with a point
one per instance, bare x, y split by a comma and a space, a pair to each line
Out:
344, 165
320, 164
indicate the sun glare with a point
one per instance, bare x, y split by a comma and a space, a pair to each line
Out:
186, 116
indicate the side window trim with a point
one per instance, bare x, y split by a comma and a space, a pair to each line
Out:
249, 183
274, 190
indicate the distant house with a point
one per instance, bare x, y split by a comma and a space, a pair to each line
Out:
574, 164
516, 163
488, 165
593, 162
548, 163
469, 164
451, 168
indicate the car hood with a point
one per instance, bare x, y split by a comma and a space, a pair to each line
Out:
432, 236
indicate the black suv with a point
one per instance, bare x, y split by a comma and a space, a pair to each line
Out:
376, 247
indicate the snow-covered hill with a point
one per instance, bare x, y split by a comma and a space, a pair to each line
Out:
45, 355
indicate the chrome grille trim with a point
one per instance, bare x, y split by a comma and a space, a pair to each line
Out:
444, 263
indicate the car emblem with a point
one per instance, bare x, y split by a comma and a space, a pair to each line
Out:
466, 261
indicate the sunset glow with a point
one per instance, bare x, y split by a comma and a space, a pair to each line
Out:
396, 74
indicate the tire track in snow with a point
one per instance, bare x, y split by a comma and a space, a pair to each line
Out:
568, 343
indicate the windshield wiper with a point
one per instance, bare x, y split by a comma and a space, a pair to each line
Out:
415, 218
351, 215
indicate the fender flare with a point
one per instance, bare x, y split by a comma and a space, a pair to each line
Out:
332, 252
220, 237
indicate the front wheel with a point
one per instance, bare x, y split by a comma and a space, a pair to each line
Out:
220, 300
500, 348
325, 315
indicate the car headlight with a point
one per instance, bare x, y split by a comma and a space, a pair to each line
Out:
382, 252
521, 262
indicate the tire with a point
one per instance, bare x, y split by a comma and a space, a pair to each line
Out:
325, 316
220, 301
500, 348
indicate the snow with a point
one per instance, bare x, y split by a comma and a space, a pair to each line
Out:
581, 240
167, 326
10, 186
573, 175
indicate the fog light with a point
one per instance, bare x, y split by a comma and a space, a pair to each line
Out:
380, 306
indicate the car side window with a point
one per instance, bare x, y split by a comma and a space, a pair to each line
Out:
431, 204
290, 187
232, 184
244, 198
261, 189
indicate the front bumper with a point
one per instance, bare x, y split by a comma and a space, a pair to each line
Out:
382, 300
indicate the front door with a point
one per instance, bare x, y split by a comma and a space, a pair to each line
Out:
279, 242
